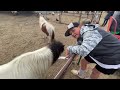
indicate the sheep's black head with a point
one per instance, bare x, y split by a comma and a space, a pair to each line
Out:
57, 49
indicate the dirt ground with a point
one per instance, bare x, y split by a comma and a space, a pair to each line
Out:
21, 33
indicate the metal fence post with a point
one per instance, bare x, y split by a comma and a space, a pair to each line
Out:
60, 14
100, 16
80, 16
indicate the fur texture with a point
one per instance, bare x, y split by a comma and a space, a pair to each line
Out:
32, 65
47, 28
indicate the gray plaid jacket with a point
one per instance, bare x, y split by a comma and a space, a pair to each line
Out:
99, 44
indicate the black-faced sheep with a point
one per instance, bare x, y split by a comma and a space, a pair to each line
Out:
32, 65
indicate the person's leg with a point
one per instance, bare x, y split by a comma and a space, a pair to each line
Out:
84, 64
97, 70
95, 74
81, 72
105, 22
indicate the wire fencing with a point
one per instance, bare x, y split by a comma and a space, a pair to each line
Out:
65, 17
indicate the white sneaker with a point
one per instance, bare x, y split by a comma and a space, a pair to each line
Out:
76, 72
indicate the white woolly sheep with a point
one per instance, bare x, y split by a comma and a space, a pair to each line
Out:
32, 65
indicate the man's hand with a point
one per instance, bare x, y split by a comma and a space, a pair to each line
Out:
67, 54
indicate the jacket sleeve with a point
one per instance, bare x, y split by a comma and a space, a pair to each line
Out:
90, 41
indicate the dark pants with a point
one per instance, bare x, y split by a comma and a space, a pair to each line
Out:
99, 68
